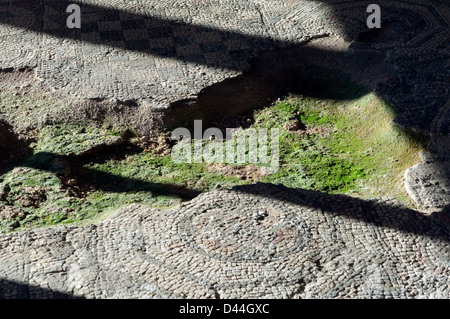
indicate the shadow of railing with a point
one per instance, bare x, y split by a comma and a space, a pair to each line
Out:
10, 289
377, 213
93, 179
417, 91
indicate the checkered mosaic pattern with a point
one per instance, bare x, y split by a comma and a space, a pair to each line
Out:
137, 32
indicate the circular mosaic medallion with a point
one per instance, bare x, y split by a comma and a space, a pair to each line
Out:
13, 55
245, 232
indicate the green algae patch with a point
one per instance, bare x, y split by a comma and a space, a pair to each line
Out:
72, 139
356, 148
343, 140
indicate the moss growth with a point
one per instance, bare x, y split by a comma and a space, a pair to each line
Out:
364, 153
148, 172
347, 146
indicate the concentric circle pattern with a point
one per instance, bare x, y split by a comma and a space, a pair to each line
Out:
250, 232
16, 56
260, 241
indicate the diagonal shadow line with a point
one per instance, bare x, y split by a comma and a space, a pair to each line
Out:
435, 226
156, 29
142, 33
10, 289
210, 46
98, 180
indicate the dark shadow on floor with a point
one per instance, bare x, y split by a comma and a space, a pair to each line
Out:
88, 179
273, 75
379, 213
416, 88
15, 290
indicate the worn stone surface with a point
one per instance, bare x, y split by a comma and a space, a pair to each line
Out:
428, 182
165, 52
160, 53
259, 241
265, 241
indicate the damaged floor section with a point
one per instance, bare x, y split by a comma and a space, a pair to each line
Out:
80, 171
85, 141
259, 241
